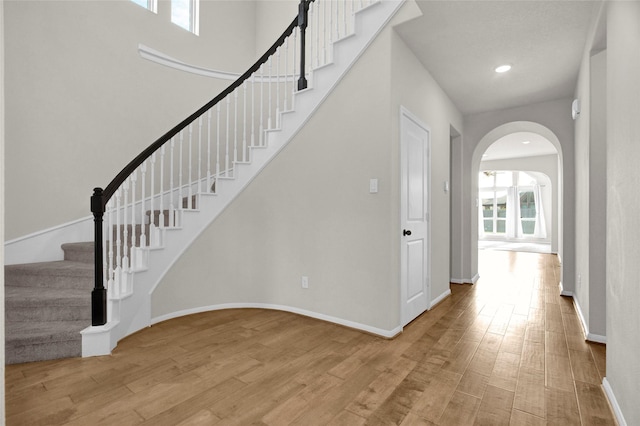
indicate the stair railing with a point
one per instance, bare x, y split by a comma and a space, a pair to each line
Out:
151, 193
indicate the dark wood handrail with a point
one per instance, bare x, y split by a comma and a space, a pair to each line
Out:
101, 197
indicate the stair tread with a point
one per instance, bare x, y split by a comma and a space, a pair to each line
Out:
84, 245
27, 296
60, 268
42, 332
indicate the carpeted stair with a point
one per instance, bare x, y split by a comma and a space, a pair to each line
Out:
47, 305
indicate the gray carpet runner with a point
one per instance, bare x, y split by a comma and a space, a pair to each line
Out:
47, 305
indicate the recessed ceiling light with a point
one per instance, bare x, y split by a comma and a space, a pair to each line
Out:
503, 68
485, 155
526, 142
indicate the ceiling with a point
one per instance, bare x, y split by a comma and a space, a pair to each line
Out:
514, 146
462, 42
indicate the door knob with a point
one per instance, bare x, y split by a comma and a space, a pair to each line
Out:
406, 232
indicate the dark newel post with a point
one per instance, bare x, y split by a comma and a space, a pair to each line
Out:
303, 9
99, 293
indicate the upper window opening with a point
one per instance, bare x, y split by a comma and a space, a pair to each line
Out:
152, 5
185, 13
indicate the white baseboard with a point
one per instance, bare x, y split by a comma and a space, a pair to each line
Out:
585, 327
440, 298
473, 280
613, 402
44, 245
340, 321
564, 292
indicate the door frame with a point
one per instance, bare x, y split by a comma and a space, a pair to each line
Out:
405, 113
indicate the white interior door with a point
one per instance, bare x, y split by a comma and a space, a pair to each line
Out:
414, 269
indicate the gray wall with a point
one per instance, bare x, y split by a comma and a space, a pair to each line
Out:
81, 102
623, 179
2, 204
310, 212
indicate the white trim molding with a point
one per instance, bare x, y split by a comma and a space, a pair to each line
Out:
615, 407
45, 245
335, 320
168, 61
440, 298
473, 280
564, 292
585, 327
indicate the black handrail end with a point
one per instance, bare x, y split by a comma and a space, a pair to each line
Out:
302, 83
98, 306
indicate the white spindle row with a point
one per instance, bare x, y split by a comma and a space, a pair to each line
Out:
153, 197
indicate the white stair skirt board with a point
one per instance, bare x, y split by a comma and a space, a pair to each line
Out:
44, 246
133, 312
440, 298
585, 328
613, 402
335, 320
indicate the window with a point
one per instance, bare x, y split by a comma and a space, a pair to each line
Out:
185, 13
510, 205
152, 5
527, 211
494, 211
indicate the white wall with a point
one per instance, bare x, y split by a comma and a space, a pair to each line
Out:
548, 165
272, 17
590, 184
553, 121
413, 87
623, 233
81, 103
310, 212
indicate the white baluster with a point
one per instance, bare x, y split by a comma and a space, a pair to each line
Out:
261, 129
209, 150
278, 88
125, 226
153, 235
235, 130
200, 180
180, 198
244, 122
325, 37
344, 18
117, 272
316, 32
295, 62
161, 223
172, 189
269, 104
143, 222
253, 109
110, 270
134, 254
337, 20
217, 143
190, 178
286, 73
226, 153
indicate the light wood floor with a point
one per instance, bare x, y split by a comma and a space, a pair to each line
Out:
508, 350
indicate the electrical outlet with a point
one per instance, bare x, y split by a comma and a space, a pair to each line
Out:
305, 282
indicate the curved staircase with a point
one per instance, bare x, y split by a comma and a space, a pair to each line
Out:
132, 271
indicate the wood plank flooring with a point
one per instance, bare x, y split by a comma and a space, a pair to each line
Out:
506, 351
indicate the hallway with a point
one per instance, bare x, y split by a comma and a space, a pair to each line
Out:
508, 350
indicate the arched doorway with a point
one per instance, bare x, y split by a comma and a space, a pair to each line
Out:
481, 148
